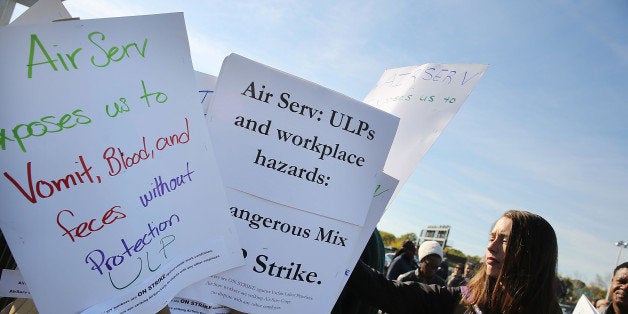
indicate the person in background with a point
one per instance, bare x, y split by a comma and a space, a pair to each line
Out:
469, 272
403, 261
618, 291
456, 278
430, 256
517, 276
443, 268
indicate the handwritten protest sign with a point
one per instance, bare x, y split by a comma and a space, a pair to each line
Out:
297, 143
425, 97
109, 185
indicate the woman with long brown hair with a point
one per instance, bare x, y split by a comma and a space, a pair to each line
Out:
517, 276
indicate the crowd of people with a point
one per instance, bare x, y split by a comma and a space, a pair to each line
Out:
517, 275
427, 265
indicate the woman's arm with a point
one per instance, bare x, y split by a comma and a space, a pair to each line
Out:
393, 296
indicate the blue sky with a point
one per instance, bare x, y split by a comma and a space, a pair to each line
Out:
545, 129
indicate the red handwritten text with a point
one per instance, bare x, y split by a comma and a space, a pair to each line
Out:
174, 139
84, 229
45, 189
118, 160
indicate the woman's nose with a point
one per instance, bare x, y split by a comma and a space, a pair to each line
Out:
491, 245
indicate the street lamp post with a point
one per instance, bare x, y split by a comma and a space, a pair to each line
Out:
621, 245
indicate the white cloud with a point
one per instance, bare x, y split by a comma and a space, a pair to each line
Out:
584, 253
207, 55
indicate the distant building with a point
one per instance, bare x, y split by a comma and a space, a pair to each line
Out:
436, 233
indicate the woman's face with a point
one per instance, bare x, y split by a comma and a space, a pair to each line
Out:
496, 248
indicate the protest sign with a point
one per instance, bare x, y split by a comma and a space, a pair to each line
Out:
300, 186
109, 184
425, 98
297, 143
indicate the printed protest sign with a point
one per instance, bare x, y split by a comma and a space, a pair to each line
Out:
109, 185
425, 97
297, 143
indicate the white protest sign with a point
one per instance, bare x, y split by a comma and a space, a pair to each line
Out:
109, 185
297, 143
584, 306
426, 98
294, 260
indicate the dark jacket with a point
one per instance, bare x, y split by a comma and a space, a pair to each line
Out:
400, 265
415, 275
608, 310
394, 296
455, 281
